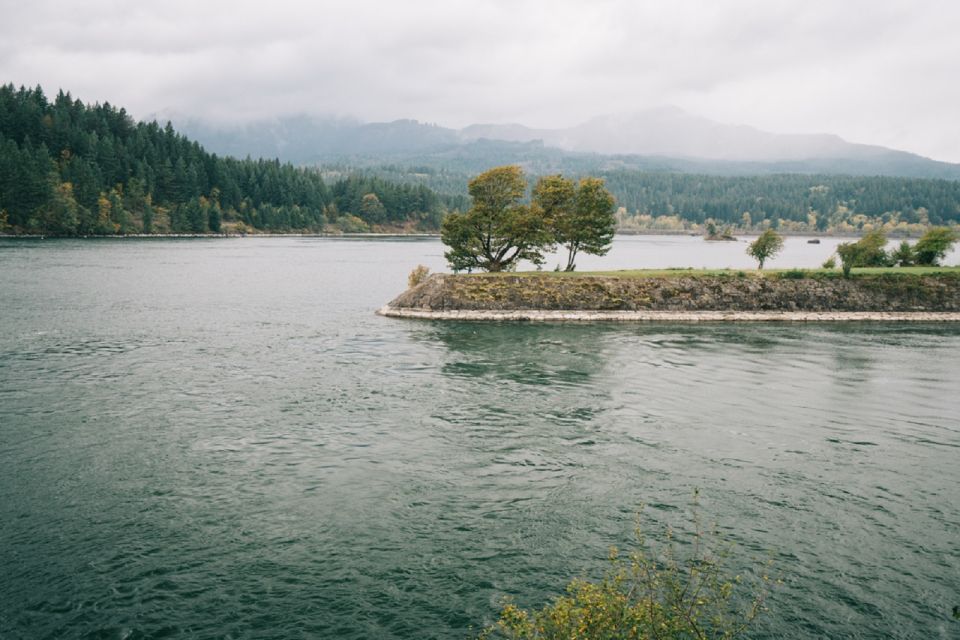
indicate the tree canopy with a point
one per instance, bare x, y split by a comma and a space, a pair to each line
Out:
580, 216
934, 245
499, 229
766, 246
868, 251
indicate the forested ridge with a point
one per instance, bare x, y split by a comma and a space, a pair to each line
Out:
67, 168
792, 201
667, 200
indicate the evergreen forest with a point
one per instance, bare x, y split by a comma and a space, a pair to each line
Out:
791, 202
69, 169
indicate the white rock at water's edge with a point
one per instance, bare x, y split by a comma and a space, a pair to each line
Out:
671, 316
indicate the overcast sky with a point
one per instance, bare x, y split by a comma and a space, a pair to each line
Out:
881, 72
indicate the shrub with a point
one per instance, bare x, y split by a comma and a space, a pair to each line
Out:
793, 274
352, 224
934, 245
418, 275
866, 252
903, 255
830, 263
649, 593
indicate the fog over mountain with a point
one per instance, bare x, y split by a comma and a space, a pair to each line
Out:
671, 131
665, 138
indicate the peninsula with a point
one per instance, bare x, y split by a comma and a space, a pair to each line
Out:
926, 295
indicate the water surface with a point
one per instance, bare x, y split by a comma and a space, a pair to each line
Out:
217, 438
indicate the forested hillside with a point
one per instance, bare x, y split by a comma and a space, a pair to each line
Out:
664, 200
790, 201
67, 168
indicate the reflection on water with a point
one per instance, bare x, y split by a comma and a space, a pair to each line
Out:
558, 354
220, 439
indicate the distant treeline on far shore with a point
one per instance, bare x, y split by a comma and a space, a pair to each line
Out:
70, 169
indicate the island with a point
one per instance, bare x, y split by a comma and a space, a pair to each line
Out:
917, 294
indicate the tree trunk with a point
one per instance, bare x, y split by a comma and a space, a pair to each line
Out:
571, 254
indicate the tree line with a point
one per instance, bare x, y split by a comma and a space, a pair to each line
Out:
67, 168
822, 202
656, 199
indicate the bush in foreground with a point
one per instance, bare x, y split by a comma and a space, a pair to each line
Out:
654, 592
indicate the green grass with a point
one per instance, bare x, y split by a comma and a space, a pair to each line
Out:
735, 273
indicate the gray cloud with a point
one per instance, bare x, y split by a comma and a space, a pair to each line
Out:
875, 72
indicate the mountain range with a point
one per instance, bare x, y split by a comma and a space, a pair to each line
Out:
664, 139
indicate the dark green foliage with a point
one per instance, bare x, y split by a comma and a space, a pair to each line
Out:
723, 199
868, 251
934, 245
499, 230
793, 274
792, 197
71, 169
378, 201
147, 218
903, 256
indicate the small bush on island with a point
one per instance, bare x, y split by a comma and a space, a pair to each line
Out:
418, 275
903, 256
666, 592
794, 274
712, 234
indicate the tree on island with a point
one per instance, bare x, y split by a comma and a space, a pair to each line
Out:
581, 217
868, 251
766, 246
934, 245
712, 234
499, 230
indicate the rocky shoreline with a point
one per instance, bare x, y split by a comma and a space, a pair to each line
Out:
669, 316
892, 297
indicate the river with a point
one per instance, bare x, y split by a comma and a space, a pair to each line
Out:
218, 438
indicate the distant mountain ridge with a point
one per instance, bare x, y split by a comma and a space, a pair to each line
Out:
665, 138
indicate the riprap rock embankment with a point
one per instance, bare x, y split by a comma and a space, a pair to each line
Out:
537, 296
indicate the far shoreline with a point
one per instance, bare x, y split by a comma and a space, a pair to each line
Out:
212, 236
400, 234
